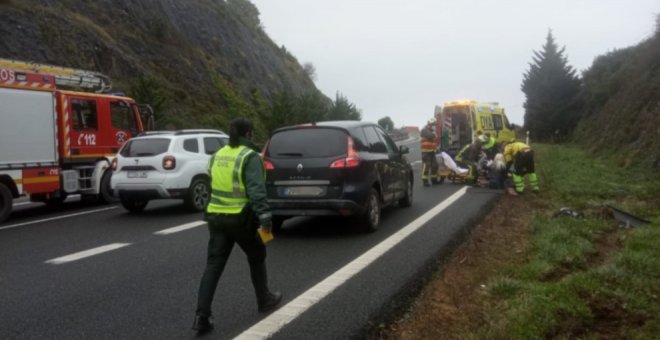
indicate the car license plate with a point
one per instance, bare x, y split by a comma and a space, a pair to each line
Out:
303, 191
137, 174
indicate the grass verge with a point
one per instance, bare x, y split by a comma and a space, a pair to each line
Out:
527, 274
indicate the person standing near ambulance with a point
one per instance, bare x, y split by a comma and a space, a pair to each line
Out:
238, 207
521, 156
428, 145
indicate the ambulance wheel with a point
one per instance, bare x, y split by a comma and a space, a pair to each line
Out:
133, 205
106, 195
6, 202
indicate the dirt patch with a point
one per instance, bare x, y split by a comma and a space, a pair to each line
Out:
451, 305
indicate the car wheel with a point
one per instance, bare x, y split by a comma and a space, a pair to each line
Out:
133, 205
406, 201
277, 222
371, 217
6, 202
106, 195
199, 194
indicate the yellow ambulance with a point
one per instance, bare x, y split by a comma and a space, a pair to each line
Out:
458, 123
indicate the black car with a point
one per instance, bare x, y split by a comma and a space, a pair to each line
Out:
343, 168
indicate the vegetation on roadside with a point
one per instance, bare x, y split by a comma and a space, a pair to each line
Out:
585, 277
528, 274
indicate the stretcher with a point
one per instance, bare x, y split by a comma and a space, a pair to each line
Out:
448, 169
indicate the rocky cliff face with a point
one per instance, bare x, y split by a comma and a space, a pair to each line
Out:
188, 47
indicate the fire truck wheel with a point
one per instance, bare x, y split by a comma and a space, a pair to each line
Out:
5, 202
133, 205
199, 194
106, 194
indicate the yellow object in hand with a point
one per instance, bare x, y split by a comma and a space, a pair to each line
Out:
266, 236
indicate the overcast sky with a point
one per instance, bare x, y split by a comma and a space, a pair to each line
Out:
400, 58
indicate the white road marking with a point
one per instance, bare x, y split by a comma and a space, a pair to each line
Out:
57, 218
87, 253
180, 228
275, 321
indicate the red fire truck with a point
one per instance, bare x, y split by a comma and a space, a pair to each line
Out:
59, 132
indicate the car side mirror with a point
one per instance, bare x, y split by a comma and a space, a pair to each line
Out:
404, 149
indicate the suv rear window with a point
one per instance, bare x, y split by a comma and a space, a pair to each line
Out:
308, 143
145, 147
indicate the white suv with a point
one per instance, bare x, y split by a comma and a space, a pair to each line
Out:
166, 164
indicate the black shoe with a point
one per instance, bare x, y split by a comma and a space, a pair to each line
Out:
271, 302
202, 324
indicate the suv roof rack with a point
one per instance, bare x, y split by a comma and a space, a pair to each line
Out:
194, 131
153, 133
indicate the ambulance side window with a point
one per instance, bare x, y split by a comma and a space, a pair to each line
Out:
497, 122
84, 114
122, 116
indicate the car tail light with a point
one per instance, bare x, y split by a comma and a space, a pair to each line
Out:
352, 159
113, 165
268, 165
169, 162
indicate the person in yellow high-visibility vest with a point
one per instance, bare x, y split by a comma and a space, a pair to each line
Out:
429, 146
521, 156
238, 207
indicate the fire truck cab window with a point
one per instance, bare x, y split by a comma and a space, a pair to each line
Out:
122, 116
84, 114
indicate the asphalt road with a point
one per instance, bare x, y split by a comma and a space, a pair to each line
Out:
141, 281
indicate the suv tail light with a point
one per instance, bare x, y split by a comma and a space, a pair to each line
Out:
352, 159
113, 165
169, 162
268, 165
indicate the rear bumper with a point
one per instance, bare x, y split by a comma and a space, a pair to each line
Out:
314, 207
148, 192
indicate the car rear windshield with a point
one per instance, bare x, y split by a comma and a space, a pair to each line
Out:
145, 147
307, 143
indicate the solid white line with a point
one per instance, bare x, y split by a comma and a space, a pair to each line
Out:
275, 321
57, 218
87, 253
180, 228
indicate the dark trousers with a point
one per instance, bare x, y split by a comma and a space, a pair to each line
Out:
523, 163
225, 230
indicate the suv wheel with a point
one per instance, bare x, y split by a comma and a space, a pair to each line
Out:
199, 194
406, 200
371, 217
132, 204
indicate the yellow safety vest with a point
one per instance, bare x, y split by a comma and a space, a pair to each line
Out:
228, 194
510, 150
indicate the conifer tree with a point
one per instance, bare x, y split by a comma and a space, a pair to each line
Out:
552, 90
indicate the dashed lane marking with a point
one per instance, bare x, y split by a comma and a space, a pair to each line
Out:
87, 253
56, 218
180, 228
275, 321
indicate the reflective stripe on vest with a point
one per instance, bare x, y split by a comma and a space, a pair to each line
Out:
228, 190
